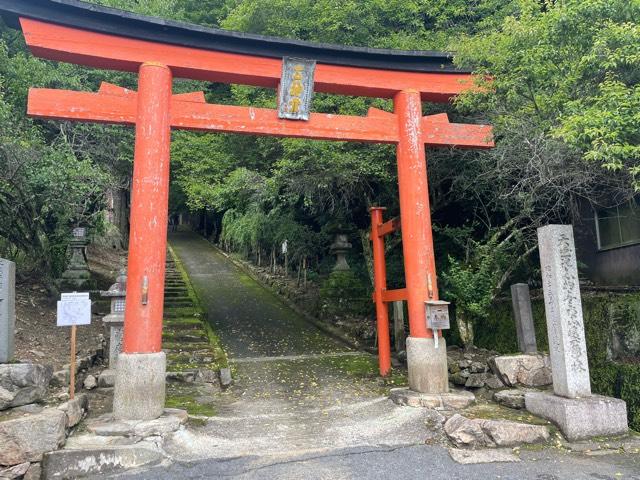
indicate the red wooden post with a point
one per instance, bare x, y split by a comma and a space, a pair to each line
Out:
380, 284
427, 364
417, 237
149, 212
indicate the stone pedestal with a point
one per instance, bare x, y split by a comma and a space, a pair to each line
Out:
139, 392
427, 365
525, 328
580, 418
7, 309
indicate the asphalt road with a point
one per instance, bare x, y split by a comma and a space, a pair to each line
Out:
402, 463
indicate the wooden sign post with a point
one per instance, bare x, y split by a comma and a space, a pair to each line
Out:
73, 309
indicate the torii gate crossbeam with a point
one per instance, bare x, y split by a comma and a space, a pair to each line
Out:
74, 32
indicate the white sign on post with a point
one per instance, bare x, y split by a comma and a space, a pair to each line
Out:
74, 309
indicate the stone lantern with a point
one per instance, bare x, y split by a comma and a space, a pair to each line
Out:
340, 247
77, 275
115, 319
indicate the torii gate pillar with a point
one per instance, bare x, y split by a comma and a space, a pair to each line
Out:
140, 376
427, 365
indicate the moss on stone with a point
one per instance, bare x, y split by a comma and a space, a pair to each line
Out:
606, 316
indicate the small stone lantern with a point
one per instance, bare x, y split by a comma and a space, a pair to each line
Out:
340, 248
115, 319
77, 276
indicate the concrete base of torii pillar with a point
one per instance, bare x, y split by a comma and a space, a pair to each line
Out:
427, 365
140, 386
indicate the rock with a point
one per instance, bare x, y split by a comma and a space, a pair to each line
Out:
97, 462
531, 370
505, 433
90, 382
205, 375
458, 379
159, 426
25, 439
478, 367
60, 378
16, 471
493, 455
475, 380
464, 363
440, 401
34, 472
464, 432
493, 382
31, 408
477, 433
184, 377
89, 442
513, 398
107, 378
225, 377
109, 428
23, 383
453, 367
75, 409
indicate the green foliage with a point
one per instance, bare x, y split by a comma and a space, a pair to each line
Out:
343, 293
569, 71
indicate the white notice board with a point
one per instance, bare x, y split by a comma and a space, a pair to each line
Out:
74, 309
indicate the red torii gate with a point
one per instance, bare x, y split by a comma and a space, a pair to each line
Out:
71, 31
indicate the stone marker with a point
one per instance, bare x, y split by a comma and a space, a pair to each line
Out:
525, 328
7, 309
563, 307
573, 409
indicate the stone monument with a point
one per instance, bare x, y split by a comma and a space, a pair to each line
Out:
7, 309
525, 327
572, 407
115, 319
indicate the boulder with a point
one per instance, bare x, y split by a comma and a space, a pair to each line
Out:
479, 433
23, 383
475, 380
464, 432
530, 370
107, 378
513, 398
75, 409
27, 438
97, 462
34, 472
17, 471
493, 382
60, 378
505, 433
90, 382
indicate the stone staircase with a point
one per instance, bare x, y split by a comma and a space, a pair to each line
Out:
193, 353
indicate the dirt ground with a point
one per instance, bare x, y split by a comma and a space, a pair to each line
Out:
38, 339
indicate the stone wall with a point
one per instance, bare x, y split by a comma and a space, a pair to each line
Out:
612, 325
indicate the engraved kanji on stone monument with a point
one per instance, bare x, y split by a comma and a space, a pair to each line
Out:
296, 88
7, 309
563, 308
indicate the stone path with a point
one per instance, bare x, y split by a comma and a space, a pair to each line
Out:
295, 388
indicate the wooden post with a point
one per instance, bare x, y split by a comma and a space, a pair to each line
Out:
398, 327
417, 237
72, 364
149, 210
380, 284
